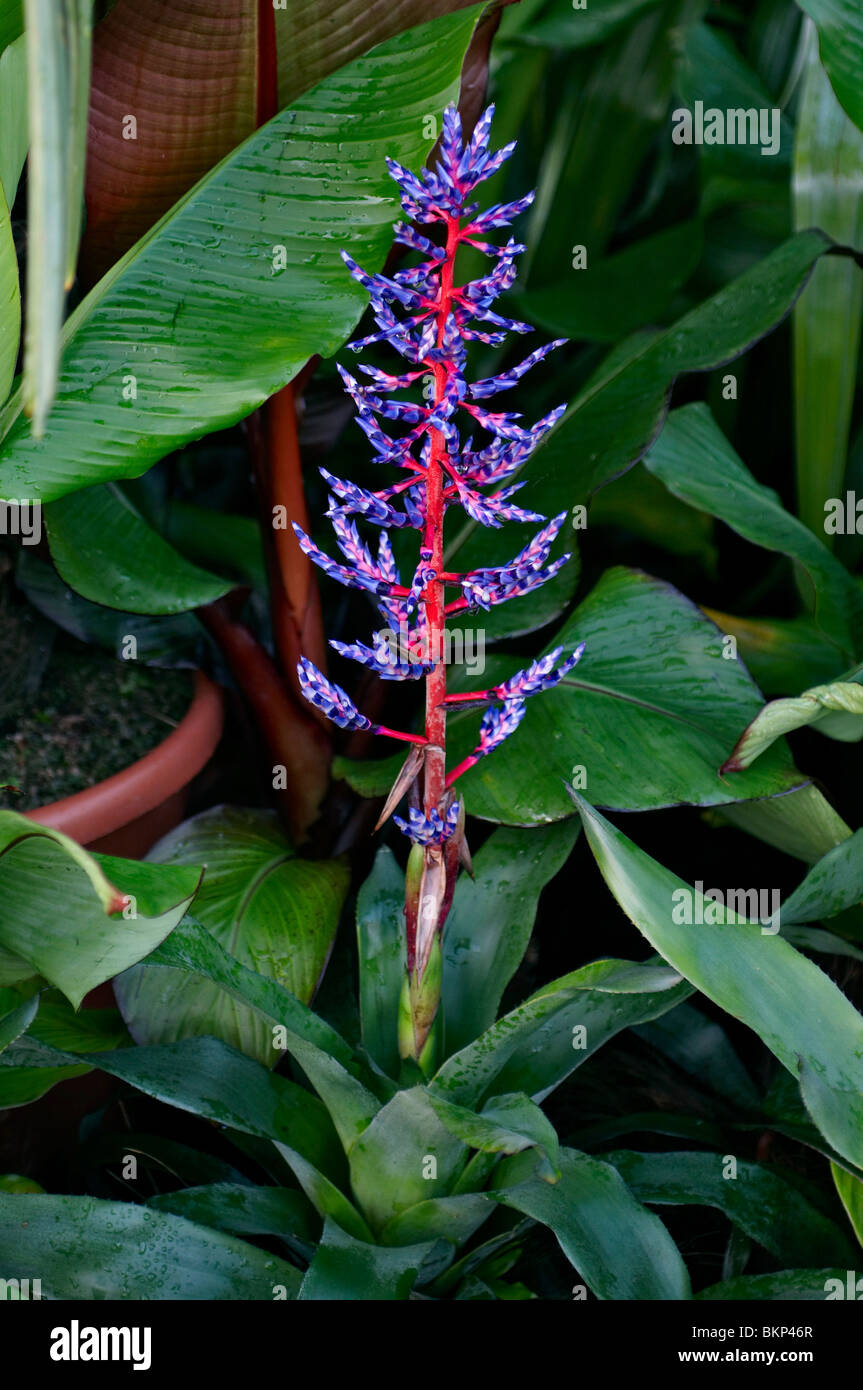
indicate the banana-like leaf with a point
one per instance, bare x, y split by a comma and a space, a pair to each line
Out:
756, 1198
346, 1268
17, 1020
619, 1248
82, 1248
270, 910
221, 303
797, 1011
490, 922
98, 540
695, 461
835, 710
537, 1045
828, 193
13, 118
56, 904
59, 1026
641, 722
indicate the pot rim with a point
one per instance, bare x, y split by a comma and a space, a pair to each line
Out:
122, 798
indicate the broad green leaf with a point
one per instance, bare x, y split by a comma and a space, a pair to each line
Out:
835, 710
828, 193
840, 30
797, 1011
17, 1020
757, 1199
794, 1284
192, 949
783, 655
208, 1078
638, 503
82, 1248
616, 419
11, 21
694, 460
648, 715
405, 1156
56, 900
490, 923
614, 295
834, 883
347, 1269
850, 1189
382, 958
271, 911
244, 1210
58, 1025
105, 551
200, 311
328, 1200
446, 1218
537, 1045
621, 1250
507, 1125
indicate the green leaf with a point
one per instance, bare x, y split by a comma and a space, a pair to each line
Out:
834, 710
446, 1218
840, 29
507, 1124
828, 170
797, 1011
537, 1045
834, 883
244, 1210
382, 958
104, 550
783, 655
271, 911
694, 460
621, 1250
850, 1189
349, 1269
56, 901
391, 1161
648, 714
560, 26
197, 312
192, 949
14, 133
614, 295
81, 1248
490, 923
17, 1021
618, 417
756, 1198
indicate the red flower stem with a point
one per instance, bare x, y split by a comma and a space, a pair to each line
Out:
462, 767
396, 733
435, 754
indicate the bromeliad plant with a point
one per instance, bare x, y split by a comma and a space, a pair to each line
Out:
430, 320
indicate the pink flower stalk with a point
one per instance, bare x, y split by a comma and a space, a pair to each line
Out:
436, 319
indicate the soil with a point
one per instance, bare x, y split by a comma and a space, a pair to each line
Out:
88, 717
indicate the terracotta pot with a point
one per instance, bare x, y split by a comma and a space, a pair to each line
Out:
127, 813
